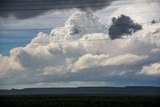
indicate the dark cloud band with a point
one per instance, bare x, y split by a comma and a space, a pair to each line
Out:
23, 9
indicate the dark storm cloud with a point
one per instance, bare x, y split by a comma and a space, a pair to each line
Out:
123, 25
23, 9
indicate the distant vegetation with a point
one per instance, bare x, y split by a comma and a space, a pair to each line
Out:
79, 101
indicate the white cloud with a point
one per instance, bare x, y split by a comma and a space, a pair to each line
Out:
124, 59
139, 11
85, 55
153, 69
7, 65
89, 61
79, 24
155, 50
41, 39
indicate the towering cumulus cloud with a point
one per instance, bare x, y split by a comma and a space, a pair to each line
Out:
81, 52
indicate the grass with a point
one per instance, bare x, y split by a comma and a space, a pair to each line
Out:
79, 101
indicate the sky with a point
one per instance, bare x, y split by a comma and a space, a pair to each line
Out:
72, 45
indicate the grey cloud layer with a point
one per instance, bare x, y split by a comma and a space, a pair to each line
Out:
23, 9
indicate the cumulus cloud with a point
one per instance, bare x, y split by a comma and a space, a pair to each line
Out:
75, 53
124, 59
79, 24
155, 50
89, 60
7, 65
153, 69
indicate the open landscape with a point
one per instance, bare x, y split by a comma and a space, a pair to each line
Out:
82, 96
79, 101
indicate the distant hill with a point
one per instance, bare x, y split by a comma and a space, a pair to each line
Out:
128, 90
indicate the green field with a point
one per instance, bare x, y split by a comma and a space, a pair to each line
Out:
79, 101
